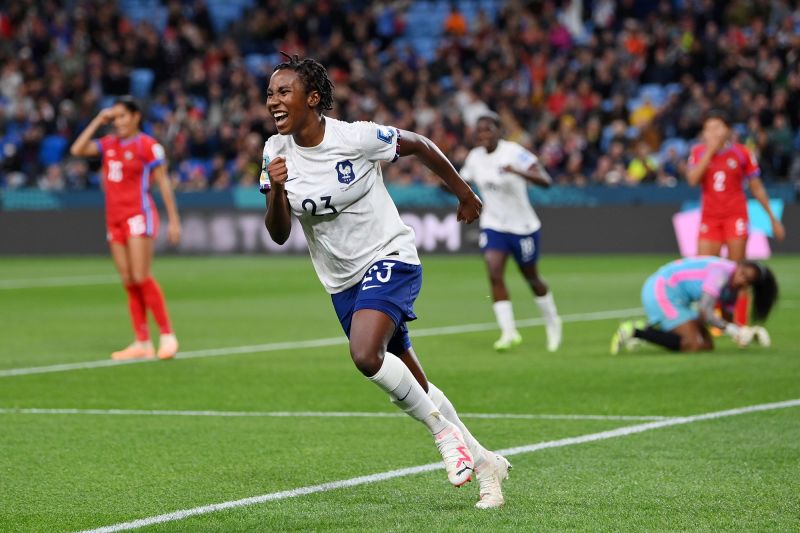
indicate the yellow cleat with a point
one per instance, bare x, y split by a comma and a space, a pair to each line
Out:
505, 343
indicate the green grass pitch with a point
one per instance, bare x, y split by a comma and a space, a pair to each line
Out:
75, 471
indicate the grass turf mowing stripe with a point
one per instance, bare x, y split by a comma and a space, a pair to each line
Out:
66, 281
308, 414
317, 343
374, 478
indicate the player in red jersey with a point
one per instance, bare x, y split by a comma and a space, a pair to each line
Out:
130, 160
723, 169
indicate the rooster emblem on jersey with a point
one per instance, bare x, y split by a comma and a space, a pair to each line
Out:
345, 171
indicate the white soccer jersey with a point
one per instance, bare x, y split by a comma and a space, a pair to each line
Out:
506, 206
336, 190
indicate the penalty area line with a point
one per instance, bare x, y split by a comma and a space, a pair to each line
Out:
404, 472
317, 343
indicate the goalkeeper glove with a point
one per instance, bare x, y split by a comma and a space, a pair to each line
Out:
741, 335
762, 336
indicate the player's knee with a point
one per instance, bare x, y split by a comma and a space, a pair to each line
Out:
126, 278
367, 359
689, 344
138, 277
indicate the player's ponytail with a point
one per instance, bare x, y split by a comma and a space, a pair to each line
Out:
765, 291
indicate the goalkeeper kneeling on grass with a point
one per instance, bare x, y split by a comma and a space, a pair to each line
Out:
680, 297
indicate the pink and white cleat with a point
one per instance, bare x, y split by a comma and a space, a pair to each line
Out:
490, 473
167, 346
137, 350
456, 455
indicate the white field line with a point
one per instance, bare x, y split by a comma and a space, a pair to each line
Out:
317, 343
101, 279
403, 472
65, 281
307, 414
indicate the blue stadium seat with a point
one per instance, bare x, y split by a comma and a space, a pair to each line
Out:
107, 101
141, 82
655, 92
681, 146
52, 149
633, 103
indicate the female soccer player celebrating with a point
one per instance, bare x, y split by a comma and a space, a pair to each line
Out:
130, 159
723, 168
680, 297
509, 226
327, 173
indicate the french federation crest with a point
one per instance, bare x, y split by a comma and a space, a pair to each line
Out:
345, 171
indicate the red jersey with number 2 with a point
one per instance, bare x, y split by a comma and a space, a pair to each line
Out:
724, 181
127, 167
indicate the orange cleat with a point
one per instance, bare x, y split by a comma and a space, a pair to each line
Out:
167, 346
137, 350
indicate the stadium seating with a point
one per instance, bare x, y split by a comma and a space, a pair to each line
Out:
141, 82
52, 149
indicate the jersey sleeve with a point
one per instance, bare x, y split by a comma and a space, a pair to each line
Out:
272, 148
522, 159
377, 142
751, 168
153, 153
263, 179
103, 143
695, 154
715, 280
467, 171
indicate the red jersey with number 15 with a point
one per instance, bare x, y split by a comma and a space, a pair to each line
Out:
127, 165
724, 180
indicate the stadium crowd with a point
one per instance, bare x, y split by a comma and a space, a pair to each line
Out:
603, 91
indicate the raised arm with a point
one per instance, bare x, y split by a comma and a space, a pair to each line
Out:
469, 205
165, 188
695, 173
760, 194
83, 145
535, 174
278, 219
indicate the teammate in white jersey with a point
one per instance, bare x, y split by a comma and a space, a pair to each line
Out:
327, 173
502, 171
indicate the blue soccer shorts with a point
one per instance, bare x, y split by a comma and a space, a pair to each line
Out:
390, 287
524, 248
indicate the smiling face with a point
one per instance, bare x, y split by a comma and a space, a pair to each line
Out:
126, 122
289, 104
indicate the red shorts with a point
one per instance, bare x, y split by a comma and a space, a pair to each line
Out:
723, 229
139, 225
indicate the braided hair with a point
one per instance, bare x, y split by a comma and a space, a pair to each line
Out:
313, 76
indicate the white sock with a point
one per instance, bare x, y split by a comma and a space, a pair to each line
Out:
442, 403
505, 317
398, 382
548, 308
